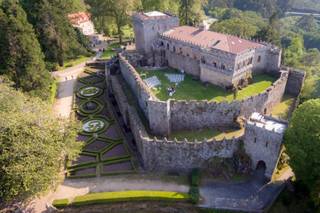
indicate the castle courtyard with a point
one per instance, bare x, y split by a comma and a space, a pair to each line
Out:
193, 89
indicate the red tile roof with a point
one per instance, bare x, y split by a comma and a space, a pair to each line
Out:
78, 18
209, 39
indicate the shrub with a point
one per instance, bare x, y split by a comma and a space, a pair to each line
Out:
61, 203
195, 177
107, 197
194, 194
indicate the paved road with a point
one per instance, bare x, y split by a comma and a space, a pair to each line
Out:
66, 82
252, 195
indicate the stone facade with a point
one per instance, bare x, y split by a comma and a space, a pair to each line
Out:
263, 142
295, 81
223, 60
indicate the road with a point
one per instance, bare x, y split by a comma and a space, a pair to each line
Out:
66, 80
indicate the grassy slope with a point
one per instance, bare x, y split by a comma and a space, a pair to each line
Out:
191, 89
109, 53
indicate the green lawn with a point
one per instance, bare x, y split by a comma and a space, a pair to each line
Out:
283, 108
205, 133
191, 89
109, 53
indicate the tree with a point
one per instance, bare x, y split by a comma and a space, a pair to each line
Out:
58, 39
308, 23
302, 141
118, 11
161, 5
270, 33
20, 51
295, 51
191, 11
33, 144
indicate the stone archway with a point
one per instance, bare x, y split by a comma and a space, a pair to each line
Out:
261, 169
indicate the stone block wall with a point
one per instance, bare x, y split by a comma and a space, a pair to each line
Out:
295, 81
136, 84
262, 144
180, 61
159, 117
166, 155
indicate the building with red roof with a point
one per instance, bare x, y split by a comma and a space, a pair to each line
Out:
82, 21
220, 59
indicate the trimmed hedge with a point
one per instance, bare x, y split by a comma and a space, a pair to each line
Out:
194, 194
108, 197
195, 177
194, 186
99, 93
60, 203
85, 112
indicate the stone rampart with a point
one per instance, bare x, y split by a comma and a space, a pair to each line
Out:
136, 84
163, 154
295, 81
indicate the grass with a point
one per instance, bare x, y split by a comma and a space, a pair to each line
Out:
191, 89
109, 197
74, 62
205, 133
282, 110
109, 53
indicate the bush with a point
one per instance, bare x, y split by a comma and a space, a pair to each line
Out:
61, 203
194, 194
108, 197
195, 177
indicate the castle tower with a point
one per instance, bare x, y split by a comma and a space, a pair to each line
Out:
147, 27
262, 140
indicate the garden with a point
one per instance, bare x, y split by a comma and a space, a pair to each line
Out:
104, 150
192, 89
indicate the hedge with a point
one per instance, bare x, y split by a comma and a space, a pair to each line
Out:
61, 203
107, 197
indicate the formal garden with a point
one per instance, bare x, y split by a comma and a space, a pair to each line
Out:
186, 87
104, 151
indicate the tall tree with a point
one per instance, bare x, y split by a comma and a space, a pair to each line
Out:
33, 144
21, 53
117, 10
303, 144
58, 39
191, 11
161, 5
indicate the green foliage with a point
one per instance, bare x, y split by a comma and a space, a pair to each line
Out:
191, 12
195, 177
303, 143
20, 52
33, 144
61, 203
58, 39
115, 11
161, 5
294, 52
110, 197
194, 194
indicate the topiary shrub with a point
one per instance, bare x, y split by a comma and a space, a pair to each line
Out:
195, 177
90, 107
89, 92
60, 203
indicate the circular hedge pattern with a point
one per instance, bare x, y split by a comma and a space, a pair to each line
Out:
89, 92
90, 107
94, 125
92, 79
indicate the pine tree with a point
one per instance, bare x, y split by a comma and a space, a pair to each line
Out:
21, 53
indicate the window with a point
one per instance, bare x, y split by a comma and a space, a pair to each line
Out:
168, 46
223, 66
259, 58
161, 43
250, 61
255, 139
174, 49
214, 64
203, 60
267, 144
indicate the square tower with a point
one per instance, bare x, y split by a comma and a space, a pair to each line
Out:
262, 141
147, 27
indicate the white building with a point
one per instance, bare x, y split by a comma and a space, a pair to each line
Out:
82, 21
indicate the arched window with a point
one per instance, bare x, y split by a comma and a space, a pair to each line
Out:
161, 44
168, 46
259, 58
223, 66
174, 49
203, 60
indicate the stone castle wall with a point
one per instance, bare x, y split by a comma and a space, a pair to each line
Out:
167, 155
295, 81
263, 145
165, 117
136, 84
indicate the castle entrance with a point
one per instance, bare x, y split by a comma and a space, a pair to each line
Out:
261, 168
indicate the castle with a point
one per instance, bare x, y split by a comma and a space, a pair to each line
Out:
216, 58
222, 60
